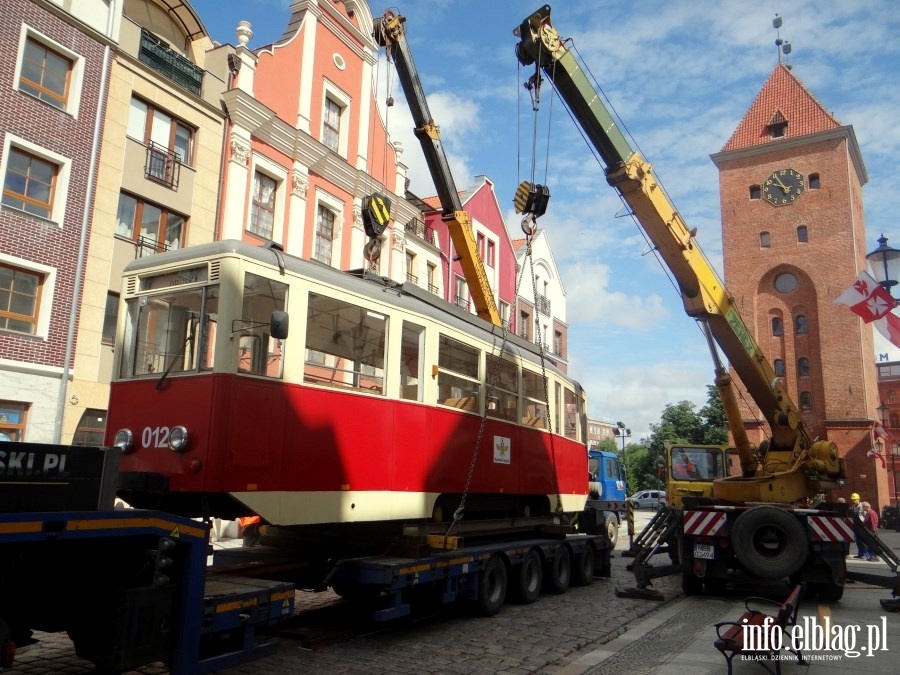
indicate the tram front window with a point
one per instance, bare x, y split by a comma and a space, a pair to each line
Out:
170, 333
258, 352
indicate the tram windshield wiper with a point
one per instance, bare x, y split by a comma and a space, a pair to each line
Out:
191, 334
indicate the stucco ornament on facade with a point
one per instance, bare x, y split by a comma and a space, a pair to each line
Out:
299, 184
240, 153
357, 217
399, 241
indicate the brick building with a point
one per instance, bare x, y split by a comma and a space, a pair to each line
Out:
794, 238
51, 111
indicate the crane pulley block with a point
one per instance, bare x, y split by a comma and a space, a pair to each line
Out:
376, 214
531, 198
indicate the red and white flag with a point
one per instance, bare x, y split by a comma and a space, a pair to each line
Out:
889, 327
868, 299
873, 453
881, 432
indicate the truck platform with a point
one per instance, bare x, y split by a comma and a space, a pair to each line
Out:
130, 587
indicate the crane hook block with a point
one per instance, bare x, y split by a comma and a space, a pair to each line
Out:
376, 213
531, 198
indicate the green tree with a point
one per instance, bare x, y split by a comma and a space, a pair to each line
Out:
714, 420
640, 468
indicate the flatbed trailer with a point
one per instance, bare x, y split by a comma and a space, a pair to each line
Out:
129, 587
483, 573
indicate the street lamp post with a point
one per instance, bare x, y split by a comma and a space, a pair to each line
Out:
885, 262
885, 419
623, 432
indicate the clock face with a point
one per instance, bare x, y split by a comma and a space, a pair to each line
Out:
783, 187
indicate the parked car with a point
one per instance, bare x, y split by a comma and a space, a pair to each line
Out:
648, 499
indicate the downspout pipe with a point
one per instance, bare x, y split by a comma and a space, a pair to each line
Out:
85, 222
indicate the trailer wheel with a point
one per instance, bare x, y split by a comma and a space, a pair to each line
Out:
612, 529
529, 575
559, 571
492, 586
584, 567
770, 542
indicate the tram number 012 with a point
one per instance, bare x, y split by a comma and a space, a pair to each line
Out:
157, 437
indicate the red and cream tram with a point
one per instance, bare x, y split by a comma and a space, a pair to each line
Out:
366, 410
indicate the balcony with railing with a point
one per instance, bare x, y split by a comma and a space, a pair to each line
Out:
412, 279
147, 246
170, 64
462, 302
162, 165
419, 229
434, 288
542, 304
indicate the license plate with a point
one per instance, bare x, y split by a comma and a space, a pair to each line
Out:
704, 551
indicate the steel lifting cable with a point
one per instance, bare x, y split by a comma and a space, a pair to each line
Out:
460, 511
540, 344
751, 407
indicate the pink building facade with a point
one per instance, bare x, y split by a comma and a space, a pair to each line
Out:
306, 143
492, 241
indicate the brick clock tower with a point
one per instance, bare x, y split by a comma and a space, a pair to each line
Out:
793, 239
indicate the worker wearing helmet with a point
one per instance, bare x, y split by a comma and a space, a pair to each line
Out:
857, 512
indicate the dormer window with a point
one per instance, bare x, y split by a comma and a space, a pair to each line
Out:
777, 125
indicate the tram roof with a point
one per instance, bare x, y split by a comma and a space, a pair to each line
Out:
409, 296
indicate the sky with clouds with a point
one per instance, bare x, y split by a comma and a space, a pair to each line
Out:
680, 74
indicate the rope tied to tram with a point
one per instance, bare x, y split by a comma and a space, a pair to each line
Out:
459, 513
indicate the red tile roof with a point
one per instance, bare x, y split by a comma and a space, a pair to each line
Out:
782, 94
433, 202
517, 244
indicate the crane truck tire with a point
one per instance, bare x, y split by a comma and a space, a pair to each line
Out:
492, 586
612, 529
558, 573
769, 542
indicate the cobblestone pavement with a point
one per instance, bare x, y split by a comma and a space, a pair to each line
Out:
538, 638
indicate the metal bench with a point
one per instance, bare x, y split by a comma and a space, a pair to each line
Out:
732, 635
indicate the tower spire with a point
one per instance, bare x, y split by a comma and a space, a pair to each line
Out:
783, 47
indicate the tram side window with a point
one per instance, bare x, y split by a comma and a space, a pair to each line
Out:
458, 384
411, 364
345, 345
171, 333
570, 401
258, 352
503, 401
535, 412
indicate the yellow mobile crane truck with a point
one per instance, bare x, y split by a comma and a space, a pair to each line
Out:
756, 523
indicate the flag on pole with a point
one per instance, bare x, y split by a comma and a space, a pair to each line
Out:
867, 298
871, 301
873, 453
881, 432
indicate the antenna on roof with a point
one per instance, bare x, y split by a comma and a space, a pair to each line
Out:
782, 46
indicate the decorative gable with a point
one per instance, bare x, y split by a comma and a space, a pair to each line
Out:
784, 108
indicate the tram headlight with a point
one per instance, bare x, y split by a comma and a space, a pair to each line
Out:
178, 438
124, 440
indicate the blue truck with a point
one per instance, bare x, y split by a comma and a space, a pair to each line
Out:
607, 484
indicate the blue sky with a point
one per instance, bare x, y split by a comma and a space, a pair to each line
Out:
681, 75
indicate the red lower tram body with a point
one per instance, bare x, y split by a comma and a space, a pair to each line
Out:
305, 455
